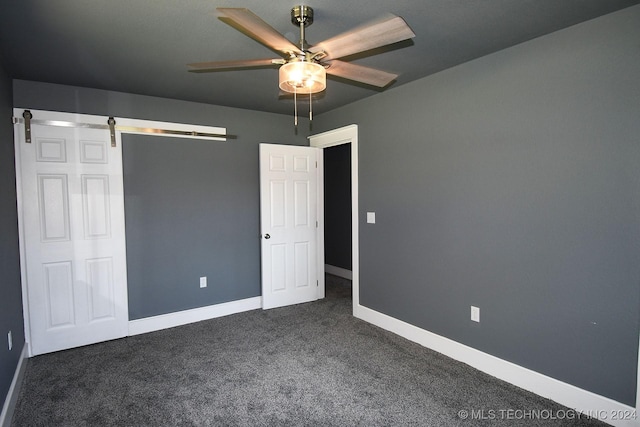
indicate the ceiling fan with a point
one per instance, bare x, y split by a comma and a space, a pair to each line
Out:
303, 67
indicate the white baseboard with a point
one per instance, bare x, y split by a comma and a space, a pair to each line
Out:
170, 320
14, 390
338, 271
582, 401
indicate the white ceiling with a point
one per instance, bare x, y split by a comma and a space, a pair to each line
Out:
143, 46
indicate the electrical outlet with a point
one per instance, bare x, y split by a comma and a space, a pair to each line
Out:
10, 339
475, 314
203, 282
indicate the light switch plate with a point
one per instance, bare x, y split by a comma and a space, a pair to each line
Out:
475, 314
203, 282
371, 217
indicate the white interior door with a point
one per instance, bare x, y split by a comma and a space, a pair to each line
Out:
72, 219
289, 205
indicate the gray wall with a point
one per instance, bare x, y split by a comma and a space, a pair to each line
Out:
337, 206
512, 183
191, 210
191, 206
10, 288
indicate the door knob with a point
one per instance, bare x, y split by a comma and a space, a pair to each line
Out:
266, 236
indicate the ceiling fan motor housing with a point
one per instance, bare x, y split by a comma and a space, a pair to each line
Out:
302, 15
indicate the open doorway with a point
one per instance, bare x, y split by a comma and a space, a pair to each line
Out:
347, 135
337, 221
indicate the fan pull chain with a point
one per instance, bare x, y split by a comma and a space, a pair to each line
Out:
302, 49
310, 107
295, 107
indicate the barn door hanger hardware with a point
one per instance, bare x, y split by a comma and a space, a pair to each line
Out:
27, 119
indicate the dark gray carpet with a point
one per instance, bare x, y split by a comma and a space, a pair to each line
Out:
311, 364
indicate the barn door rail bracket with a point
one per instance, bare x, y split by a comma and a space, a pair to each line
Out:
112, 130
26, 114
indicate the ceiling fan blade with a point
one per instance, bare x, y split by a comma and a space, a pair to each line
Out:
360, 73
204, 67
370, 36
253, 26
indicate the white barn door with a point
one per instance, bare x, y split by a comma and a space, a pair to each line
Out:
288, 222
73, 239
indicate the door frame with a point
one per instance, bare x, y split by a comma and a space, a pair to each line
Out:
344, 135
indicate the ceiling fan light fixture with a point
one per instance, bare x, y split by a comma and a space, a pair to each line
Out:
302, 77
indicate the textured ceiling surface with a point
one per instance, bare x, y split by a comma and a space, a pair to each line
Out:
143, 46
